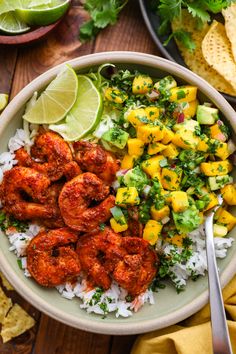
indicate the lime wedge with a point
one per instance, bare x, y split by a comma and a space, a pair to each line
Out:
3, 100
44, 14
56, 101
11, 24
84, 115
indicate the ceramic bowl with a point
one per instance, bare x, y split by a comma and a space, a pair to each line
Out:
169, 307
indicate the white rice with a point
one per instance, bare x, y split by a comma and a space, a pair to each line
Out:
114, 299
197, 263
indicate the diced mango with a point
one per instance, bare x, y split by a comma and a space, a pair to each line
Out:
229, 194
177, 239
203, 144
190, 109
155, 148
153, 112
185, 139
135, 147
183, 94
222, 151
152, 231
128, 162
150, 133
142, 84
118, 227
137, 117
219, 230
152, 165
213, 201
216, 168
226, 218
115, 95
216, 133
171, 151
161, 213
127, 196
179, 201
171, 178
168, 135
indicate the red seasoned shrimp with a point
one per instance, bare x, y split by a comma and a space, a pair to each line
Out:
51, 258
139, 266
99, 254
93, 158
51, 152
23, 194
76, 198
135, 227
52, 195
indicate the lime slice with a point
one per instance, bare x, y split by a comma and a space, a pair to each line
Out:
84, 115
11, 5
3, 100
11, 24
45, 14
56, 101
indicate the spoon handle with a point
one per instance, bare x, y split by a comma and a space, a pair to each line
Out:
220, 333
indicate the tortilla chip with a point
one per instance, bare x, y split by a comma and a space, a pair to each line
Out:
216, 49
16, 323
230, 26
195, 60
5, 305
5, 282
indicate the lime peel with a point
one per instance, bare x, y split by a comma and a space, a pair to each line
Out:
84, 115
56, 100
43, 15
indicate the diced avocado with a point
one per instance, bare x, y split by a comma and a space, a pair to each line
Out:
217, 182
187, 220
207, 115
219, 230
116, 136
118, 215
167, 83
200, 204
135, 178
188, 124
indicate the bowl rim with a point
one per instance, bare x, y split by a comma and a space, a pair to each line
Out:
83, 62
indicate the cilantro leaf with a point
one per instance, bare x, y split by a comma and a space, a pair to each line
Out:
102, 13
184, 37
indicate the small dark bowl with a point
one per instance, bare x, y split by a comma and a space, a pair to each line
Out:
29, 37
170, 51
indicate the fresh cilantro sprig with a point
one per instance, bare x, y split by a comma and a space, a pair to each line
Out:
201, 11
102, 13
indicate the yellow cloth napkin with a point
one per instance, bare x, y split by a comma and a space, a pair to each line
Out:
192, 336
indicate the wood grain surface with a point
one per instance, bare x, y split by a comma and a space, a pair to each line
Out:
19, 66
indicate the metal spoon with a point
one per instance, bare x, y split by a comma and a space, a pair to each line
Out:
220, 334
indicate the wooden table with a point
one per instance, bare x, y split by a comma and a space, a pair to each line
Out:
19, 66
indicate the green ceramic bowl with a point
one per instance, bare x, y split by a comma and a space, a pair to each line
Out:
169, 307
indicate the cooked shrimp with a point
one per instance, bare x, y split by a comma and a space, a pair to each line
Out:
76, 198
99, 254
93, 158
52, 195
71, 170
51, 152
135, 227
23, 194
139, 266
51, 258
